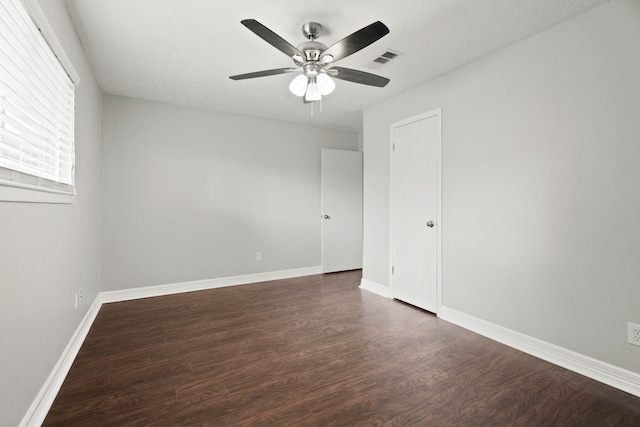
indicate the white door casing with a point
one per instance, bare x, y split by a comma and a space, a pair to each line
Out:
341, 210
415, 217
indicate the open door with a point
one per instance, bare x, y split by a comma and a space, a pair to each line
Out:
341, 215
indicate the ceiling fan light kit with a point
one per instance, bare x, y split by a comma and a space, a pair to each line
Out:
315, 60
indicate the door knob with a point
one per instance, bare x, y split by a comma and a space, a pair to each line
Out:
430, 223
326, 217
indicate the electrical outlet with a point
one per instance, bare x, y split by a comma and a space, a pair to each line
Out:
258, 256
79, 297
633, 334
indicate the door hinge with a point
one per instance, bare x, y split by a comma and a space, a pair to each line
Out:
393, 147
393, 269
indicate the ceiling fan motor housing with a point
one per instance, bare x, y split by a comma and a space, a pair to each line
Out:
312, 50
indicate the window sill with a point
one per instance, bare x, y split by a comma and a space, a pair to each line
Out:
28, 195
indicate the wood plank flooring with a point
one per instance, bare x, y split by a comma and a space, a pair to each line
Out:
313, 351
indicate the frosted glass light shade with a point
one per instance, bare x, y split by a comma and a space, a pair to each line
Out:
313, 91
298, 85
326, 84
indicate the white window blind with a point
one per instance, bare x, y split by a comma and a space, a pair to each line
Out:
36, 108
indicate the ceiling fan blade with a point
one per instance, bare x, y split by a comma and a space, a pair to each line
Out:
264, 73
272, 38
356, 41
356, 76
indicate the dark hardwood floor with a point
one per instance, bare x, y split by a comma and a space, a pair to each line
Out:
313, 351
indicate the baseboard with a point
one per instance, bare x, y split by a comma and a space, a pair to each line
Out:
595, 369
199, 285
376, 288
40, 407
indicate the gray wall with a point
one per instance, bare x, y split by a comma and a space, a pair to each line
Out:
192, 194
48, 252
541, 184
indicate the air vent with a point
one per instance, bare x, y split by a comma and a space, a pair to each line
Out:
384, 59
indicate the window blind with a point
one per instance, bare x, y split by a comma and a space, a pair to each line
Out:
36, 107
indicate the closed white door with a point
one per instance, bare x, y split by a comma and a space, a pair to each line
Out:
415, 210
341, 216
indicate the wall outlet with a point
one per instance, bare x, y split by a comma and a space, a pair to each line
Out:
258, 256
78, 298
633, 334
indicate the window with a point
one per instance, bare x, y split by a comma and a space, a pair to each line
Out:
36, 109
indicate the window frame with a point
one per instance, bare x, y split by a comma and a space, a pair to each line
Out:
11, 191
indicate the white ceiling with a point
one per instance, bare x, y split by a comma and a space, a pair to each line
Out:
183, 51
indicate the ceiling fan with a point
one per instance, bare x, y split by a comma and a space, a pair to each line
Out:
315, 60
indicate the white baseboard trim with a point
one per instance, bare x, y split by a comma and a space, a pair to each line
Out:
595, 369
40, 407
42, 403
199, 285
376, 288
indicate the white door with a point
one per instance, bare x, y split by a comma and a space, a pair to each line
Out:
341, 216
415, 202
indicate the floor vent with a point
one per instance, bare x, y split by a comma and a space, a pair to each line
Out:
384, 59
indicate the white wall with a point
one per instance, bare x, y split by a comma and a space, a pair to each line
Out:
541, 184
47, 252
192, 194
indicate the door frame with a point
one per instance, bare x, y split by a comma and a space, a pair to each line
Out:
437, 113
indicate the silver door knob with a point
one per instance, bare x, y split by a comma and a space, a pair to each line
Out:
430, 223
326, 216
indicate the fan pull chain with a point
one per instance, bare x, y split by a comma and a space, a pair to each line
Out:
313, 108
